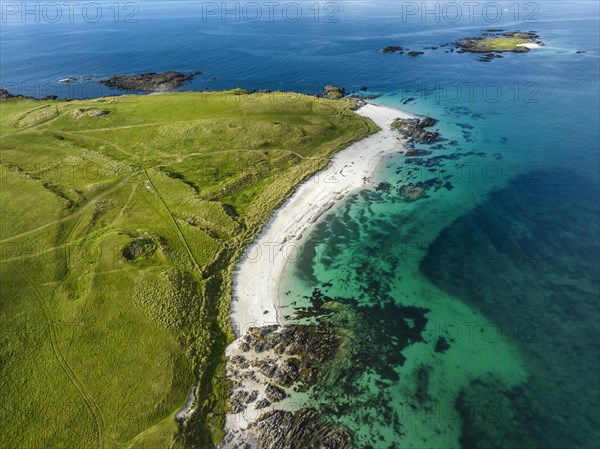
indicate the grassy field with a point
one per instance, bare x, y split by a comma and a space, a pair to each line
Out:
494, 44
505, 43
121, 221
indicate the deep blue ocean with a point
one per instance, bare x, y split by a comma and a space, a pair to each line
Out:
475, 310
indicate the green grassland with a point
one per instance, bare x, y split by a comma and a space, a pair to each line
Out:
118, 238
495, 44
505, 43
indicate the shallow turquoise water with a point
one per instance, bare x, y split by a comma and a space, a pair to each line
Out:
501, 259
472, 313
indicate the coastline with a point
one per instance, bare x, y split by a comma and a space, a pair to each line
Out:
256, 282
257, 277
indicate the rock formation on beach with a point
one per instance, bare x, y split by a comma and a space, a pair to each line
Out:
279, 358
312, 358
413, 129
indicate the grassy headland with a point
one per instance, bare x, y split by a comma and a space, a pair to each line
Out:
121, 221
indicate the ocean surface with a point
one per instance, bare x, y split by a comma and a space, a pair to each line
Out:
472, 313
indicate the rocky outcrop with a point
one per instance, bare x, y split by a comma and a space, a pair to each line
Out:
392, 49
4, 94
149, 82
275, 394
278, 359
284, 429
529, 35
414, 129
358, 101
298, 430
333, 92
282, 357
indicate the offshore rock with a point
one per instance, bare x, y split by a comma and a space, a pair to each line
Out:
149, 82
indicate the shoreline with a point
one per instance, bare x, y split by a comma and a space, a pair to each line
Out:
257, 275
255, 301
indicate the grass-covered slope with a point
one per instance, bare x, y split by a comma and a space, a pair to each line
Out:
121, 220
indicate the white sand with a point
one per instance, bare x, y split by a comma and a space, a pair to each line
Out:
532, 45
256, 281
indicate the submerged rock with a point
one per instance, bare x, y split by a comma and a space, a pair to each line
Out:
412, 192
416, 152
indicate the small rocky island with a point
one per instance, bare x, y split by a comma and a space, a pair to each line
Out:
401, 50
498, 41
491, 43
393, 49
149, 82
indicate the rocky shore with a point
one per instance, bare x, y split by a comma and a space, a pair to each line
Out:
149, 82
274, 366
414, 129
271, 367
270, 363
5, 95
279, 429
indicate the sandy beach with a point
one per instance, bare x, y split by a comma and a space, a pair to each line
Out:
255, 283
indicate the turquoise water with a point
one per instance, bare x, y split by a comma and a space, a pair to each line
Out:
498, 265
471, 314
